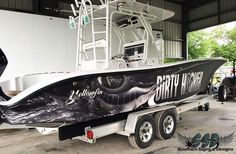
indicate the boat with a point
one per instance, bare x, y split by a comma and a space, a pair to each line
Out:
119, 69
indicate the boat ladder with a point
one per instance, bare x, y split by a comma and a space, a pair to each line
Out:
86, 16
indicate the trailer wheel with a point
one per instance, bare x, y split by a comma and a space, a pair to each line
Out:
165, 123
207, 106
222, 93
200, 108
144, 133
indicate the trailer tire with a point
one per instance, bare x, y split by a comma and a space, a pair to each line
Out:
207, 107
146, 127
165, 123
200, 108
222, 93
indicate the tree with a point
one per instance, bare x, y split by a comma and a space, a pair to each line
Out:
218, 42
199, 44
227, 49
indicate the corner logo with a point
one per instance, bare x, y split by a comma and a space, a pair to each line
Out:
207, 142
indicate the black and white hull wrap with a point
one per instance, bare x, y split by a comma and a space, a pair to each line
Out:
80, 97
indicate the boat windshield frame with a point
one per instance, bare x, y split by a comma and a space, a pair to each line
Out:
110, 9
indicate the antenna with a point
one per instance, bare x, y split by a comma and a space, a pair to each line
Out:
73, 9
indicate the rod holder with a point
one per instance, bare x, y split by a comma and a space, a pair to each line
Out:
73, 9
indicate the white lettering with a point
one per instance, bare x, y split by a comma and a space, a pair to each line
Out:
85, 93
159, 87
168, 85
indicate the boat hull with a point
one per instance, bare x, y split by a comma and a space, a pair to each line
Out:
88, 97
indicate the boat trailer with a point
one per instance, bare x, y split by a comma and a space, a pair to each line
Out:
140, 127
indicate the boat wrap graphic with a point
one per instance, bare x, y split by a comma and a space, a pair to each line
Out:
89, 97
3, 62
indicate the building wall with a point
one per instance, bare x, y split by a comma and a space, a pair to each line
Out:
172, 29
34, 44
211, 14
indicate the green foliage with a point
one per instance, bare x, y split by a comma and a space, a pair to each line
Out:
199, 44
218, 42
172, 60
232, 35
227, 49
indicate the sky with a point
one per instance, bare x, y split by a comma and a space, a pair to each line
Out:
228, 26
